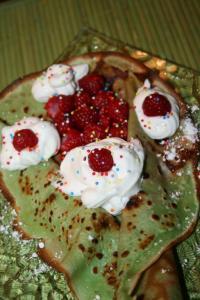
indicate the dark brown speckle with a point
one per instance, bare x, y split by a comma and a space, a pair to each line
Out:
125, 253
95, 270
81, 247
144, 243
155, 217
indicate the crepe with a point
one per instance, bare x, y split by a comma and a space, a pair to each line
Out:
110, 264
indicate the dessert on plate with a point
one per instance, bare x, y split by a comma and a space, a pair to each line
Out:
98, 158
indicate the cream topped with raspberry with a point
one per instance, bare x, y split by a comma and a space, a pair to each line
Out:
104, 173
27, 143
59, 79
157, 112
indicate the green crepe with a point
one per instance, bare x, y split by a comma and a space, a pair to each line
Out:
161, 229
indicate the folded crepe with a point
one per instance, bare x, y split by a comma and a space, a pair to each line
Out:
101, 255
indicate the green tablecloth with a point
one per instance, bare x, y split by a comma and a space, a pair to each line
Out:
34, 32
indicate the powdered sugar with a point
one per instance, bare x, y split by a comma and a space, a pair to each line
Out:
189, 130
194, 108
170, 154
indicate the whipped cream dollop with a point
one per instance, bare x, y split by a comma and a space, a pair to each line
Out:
58, 79
112, 190
48, 144
157, 127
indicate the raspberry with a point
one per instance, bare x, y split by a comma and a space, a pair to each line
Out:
66, 103
24, 138
104, 118
93, 132
156, 105
118, 111
104, 111
104, 121
120, 131
64, 125
91, 83
57, 106
100, 160
71, 140
52, 107
102, 98
84, 115
81, 98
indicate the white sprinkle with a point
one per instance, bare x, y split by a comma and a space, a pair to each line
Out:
41, 245
90, 237
13, 213
34, 255
179, 173
163, 271
58, 254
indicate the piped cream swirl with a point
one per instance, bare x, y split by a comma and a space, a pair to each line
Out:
112, 190
158, 127
48, 144
59, 79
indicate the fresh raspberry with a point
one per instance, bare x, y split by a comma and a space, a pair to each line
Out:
52, 107
64, 125
156, 105
104, 118
93, 132
100, 160
71, 140
118, 111
120, 131
59, 105
66, 103
104, 111
24, 138
104, 121
83, 116
92, 83
103, 98
82, 98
